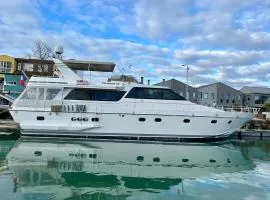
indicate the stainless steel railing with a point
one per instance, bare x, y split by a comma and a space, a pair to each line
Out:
239, 109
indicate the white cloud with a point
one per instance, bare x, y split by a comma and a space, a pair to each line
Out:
219, 40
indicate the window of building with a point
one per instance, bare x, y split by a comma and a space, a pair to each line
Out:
39, 68
221, 95
153, 93
181, 93
213, 95
221, 100
239, 97
201, 95
205, 95
5, 66
260, 99
45, 68
227, 101
11, 83
28, 67
194, 95
95, 95
19, 66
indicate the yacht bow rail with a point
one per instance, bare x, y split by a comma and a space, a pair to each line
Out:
239, 109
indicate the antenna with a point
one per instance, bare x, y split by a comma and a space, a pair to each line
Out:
124, 69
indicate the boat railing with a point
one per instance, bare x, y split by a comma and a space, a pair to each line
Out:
37, 103
238, 109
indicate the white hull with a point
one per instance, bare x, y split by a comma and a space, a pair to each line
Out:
128, 125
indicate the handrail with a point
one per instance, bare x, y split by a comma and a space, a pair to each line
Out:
238, 109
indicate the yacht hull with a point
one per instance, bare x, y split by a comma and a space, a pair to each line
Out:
129, 126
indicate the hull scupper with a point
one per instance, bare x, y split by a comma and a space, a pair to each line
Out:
68, 106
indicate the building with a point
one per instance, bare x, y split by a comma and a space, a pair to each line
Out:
180, 88
219, 94
256, 96
15, 70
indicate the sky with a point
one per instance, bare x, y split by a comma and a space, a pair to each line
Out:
221, 40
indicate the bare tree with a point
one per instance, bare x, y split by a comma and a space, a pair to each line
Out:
42, 50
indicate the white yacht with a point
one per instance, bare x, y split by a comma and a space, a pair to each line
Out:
65, 105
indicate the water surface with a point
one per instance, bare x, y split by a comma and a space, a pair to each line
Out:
58, 169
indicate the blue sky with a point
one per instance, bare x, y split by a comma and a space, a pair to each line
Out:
222, 40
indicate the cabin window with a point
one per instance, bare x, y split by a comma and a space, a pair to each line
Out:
158, 120
142, 119
229, 121
185, 160
85, 119
156, 159
153, 93
186, 120
214, 121
40, 118
52, 93
140, 158
93, 155
95, 95
95, 119
79, 119
41, 92
30, 93
38, 153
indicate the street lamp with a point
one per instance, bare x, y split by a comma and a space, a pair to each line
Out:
187, 96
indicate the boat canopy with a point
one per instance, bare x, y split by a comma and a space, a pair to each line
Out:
90, 65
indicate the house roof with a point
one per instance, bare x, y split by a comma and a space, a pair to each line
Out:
257, 90
174, 81
217, 83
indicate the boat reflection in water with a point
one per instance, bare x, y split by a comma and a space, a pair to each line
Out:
62, 169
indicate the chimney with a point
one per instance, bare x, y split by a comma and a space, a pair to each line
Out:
142, 80
148, 82
163, 80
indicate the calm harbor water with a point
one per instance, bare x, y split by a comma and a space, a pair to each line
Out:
57, 169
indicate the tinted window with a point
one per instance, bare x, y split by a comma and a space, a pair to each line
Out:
95, 95
153, 93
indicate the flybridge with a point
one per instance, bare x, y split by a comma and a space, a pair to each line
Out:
90, 65
64, 73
